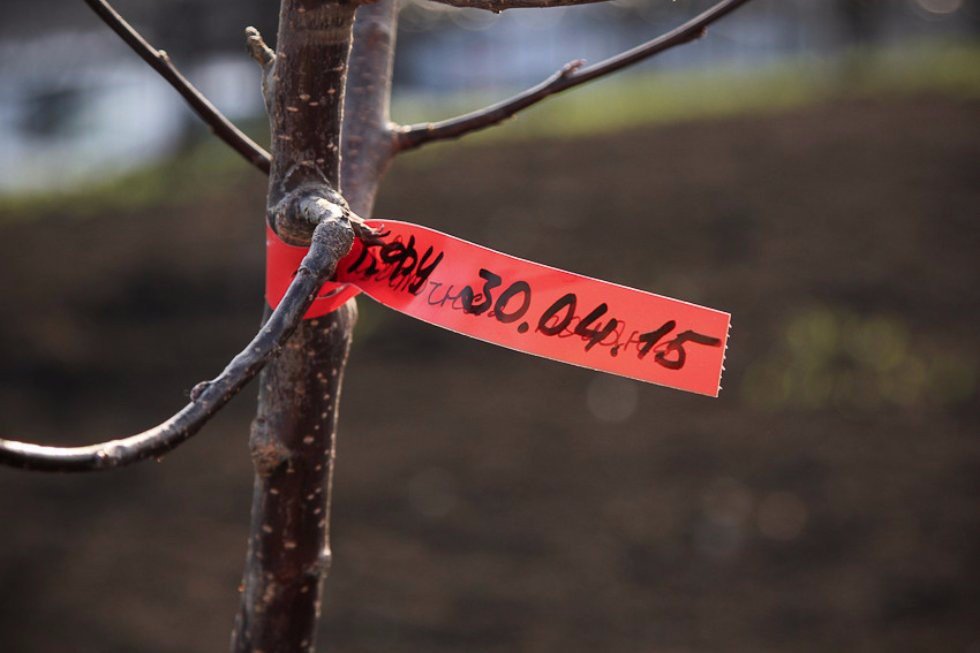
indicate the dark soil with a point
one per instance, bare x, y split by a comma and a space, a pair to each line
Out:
490, 501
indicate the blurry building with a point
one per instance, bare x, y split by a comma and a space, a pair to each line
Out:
75, 104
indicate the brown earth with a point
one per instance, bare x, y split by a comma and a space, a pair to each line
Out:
490, 501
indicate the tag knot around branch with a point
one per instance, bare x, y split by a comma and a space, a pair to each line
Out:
300, 210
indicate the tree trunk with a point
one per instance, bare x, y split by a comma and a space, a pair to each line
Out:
293, 438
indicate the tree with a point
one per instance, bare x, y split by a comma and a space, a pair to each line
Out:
327, 87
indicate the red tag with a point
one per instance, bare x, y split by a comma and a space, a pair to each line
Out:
528, 307
282, 261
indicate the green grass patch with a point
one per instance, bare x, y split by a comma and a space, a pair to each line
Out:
207, 167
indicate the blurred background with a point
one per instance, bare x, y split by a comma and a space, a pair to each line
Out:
810, 167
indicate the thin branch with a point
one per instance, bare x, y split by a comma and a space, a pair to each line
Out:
571, 75
160, 62
331, 241
496, 6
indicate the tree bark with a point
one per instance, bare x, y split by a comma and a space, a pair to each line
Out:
293, 438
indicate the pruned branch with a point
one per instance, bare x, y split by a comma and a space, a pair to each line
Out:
257, 48
331, 241
265, 57
160, 61
572, 74
496, 6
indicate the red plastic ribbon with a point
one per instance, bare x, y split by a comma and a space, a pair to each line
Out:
522, 305
281, 262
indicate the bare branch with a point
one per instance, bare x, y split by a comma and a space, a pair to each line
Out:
331, 241
367, 140
496, 6
160, 62
571, 75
